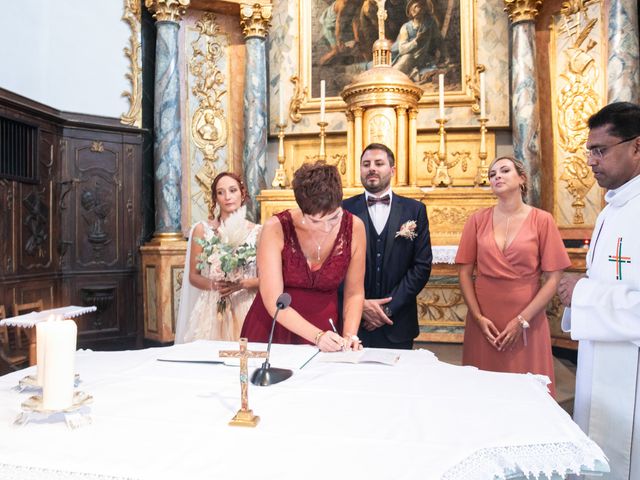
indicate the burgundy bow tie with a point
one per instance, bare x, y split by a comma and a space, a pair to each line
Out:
385, 200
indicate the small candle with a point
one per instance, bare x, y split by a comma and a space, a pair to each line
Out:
322, 86
441, 94
482, 97
59, 364
281, 113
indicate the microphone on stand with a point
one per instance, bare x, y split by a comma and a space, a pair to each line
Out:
266, 374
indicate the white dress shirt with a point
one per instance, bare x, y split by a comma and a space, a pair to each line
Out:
379, 212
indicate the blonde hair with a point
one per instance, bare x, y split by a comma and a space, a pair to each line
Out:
519, 166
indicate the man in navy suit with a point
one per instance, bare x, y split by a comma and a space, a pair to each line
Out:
398, 253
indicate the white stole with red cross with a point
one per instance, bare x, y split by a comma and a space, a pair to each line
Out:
605, 317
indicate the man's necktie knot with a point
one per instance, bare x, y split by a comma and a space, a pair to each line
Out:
385, 200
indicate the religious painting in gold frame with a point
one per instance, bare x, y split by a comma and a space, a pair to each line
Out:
336, 39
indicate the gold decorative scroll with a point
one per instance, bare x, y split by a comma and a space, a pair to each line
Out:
522, 10
576, 101
208, 124
131, 16
338, 160
473, 84
255, 20
299, 94
167, 10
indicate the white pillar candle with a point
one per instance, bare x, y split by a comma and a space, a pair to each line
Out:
441, 94
482, 97
322, 87
59, 365
41, 335
281, 112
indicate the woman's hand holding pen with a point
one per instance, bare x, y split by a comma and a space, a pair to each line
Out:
330, 342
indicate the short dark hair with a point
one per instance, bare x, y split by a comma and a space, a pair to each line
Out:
380, 146
623, 118
317, 188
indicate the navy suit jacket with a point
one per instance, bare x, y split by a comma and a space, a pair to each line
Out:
406, 265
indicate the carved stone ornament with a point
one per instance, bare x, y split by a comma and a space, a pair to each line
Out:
522, 10
167, 10
255, 19
577, 100
208, 123
299, 94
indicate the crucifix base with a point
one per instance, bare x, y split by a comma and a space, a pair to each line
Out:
244, 418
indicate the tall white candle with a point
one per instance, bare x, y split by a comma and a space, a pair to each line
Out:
441, 94
322, 87
482, 96
59, 365
41, 335
281, 112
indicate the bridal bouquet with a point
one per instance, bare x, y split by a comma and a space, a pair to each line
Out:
227, 252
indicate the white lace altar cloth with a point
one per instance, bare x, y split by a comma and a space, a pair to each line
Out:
444, 253
420, 419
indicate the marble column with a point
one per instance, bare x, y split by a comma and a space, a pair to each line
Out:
622, 67
167, 147
524, 87
255, 21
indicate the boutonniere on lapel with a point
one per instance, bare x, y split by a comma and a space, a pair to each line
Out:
408, 230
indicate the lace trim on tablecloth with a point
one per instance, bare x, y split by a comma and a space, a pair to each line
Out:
444, 254
16, 472
531, 460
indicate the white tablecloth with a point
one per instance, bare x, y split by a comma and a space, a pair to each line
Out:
419, 419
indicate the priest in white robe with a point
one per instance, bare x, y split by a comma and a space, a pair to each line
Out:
604, 313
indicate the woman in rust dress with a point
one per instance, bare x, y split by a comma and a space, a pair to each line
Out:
308, 252
511, 246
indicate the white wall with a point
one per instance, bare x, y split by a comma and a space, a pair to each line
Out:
67, 54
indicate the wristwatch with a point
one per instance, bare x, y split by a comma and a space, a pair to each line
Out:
387, 311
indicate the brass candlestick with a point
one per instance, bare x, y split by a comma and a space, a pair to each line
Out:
482, 176
441, 177
322, 154
280, 178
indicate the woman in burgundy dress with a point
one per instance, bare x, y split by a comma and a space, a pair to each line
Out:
308, 252
510, 245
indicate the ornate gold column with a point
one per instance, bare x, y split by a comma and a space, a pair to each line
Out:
165, 253
401, 145
413, 141
357, 142
524, 87
255, 21
351, 169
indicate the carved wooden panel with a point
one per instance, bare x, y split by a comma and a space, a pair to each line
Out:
72, 237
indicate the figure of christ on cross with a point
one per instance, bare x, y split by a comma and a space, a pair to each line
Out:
244, 417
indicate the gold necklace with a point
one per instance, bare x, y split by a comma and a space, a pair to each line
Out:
506, 233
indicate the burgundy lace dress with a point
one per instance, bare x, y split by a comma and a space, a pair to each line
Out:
314, 294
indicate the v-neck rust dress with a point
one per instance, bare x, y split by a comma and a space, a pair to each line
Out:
506, 282
314, 293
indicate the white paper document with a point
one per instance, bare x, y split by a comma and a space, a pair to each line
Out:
386, 357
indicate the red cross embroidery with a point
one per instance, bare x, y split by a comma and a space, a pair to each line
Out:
619, 259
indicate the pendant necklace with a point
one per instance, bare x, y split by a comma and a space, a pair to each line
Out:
506, 233
319, 245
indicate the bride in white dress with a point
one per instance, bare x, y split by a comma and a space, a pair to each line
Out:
202, 313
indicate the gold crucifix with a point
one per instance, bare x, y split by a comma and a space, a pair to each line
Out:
244, 417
